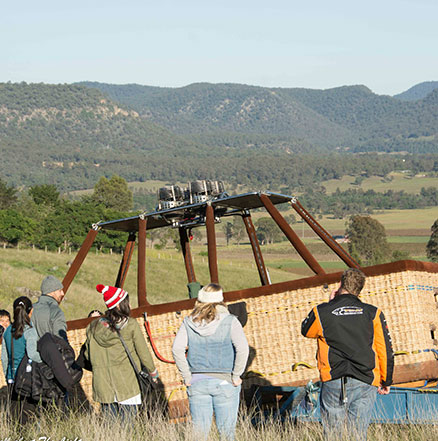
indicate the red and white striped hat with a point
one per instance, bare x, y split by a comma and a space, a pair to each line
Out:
112, 296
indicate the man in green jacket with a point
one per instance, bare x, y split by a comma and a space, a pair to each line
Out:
47, 315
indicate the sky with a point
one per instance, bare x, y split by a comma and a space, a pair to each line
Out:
387, 45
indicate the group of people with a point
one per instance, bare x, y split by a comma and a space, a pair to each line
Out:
35, 352
355, 356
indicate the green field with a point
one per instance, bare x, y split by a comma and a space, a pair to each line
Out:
400, 181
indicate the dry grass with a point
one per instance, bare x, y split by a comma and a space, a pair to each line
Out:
88, 426
165, 276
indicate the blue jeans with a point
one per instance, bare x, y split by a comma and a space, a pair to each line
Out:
124, 412
354, 416
218, 396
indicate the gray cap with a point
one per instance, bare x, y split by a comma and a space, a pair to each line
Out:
50, 284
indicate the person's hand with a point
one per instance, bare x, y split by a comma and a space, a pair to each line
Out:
237, 382
383, 390
154, 376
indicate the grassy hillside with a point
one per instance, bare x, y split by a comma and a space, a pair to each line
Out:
395, 181
26, 269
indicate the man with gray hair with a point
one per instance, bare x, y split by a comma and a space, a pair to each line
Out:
47, 316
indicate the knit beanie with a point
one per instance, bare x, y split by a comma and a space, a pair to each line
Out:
112, 296
210, 297
50, 284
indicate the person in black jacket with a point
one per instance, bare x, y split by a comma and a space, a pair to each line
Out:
355, 357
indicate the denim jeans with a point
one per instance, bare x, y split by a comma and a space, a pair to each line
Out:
218, 396
124, 412
350, 420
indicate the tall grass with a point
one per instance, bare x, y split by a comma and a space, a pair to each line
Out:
91, 426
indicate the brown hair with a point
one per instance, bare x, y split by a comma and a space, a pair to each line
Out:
205, 311
353, 280
118, 313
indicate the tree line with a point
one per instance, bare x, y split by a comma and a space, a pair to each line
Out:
43, 218
358, 201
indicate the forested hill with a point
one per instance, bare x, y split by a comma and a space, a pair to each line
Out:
352, 116
209, 109
70, 135
418, 92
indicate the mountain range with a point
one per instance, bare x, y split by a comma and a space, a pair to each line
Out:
69, 135
350, 117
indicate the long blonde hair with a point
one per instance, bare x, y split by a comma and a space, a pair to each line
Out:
207, 312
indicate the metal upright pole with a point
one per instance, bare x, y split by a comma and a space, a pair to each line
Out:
324, 235
258, 257
291, 235
80, 257
211, 244
185, 247
124, 265
141, 275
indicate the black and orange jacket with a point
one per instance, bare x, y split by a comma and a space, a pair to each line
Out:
353, 341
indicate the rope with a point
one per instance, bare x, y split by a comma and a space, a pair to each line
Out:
149, 333
301, 363
418, 351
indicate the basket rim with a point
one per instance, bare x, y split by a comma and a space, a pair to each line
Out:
275, 288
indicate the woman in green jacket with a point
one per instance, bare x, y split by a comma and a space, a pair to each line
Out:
115, 384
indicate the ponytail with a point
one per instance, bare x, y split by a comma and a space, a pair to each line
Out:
22, 308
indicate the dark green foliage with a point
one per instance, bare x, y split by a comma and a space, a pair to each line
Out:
8, 195
15, 227
268, 231
68, 225
113, 193
367, 240
44, 194
432, 245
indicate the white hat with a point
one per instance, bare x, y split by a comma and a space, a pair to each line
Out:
210, 297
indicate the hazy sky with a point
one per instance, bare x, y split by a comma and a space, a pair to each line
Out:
388, 45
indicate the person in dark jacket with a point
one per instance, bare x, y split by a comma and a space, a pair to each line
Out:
355, 357
58, 374
19, 339
48, 316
